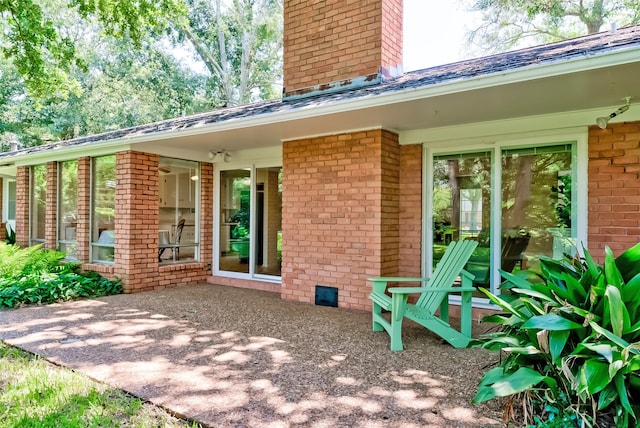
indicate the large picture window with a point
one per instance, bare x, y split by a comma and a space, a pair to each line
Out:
518, 208
67, 207
38, 203
179, 187
103, 203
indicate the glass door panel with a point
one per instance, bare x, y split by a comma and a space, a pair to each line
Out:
268, 229
536, 206
235, 220
462, 208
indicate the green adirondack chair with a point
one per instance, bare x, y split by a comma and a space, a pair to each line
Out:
434, 293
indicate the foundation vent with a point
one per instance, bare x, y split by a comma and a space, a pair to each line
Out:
326, 296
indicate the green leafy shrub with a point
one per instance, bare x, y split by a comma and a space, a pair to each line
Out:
32, 275
11, 236
569, 342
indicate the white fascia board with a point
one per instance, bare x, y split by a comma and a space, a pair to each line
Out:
547, 122
62, 154
533, 72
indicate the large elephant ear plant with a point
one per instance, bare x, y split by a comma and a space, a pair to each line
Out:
569, 339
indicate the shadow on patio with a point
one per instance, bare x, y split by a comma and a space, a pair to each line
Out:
234, 357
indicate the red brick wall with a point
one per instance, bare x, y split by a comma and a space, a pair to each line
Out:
334, 40
51, 209
410, 210
614, 188
206, 214
22, 206
339, 214
136, 228
136, 220
84, 208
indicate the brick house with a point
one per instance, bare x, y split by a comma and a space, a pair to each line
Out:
359, 170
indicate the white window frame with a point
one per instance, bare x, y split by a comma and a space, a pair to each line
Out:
578, 137
252, 275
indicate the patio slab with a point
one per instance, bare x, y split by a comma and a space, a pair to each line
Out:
231, 357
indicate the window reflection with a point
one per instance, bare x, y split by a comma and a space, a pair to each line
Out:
67, 207
179, 184
38, 203
536, 209
103, 197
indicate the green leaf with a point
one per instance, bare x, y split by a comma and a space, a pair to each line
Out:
557, 341
524, 350
622, 393
575, 290
628, 263
607, 396
592, 267
501, 302
609, 335
617, 310
611, 272
594, 376
550, 321
604, 350
501, 385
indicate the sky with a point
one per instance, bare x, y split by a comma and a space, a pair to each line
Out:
435, 32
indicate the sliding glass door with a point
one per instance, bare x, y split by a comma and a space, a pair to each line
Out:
250, 222
517, 203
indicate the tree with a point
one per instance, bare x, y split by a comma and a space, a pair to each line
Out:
44, 58
239, 42
509, 24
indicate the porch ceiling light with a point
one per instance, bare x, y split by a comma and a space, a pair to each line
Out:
220, 155
604, 120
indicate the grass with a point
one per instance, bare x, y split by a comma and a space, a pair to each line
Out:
35, 393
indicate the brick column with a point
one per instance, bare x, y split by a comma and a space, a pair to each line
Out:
614, 188
51, 210
22, 206
340, 214
136, 220
84, 210
410, 222
206, 213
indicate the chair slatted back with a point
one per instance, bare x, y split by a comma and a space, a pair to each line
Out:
446, 272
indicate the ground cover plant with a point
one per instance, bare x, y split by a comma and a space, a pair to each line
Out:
34, 393
569, 340
34, 276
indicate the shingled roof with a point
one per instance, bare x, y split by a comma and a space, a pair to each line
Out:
563, 51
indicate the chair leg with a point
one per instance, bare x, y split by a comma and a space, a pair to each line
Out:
396, 333
466, 314
376, 312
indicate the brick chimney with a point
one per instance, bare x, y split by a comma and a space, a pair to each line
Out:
333, 45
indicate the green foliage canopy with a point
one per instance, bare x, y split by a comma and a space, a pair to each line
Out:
508, 24
44, 58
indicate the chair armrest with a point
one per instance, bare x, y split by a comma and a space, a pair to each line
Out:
413, 290
380, 283
397, 279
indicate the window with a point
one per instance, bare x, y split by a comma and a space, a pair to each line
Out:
179, 187
10, 214
67, 207
103, 199
38, 203
250, 221
527, 215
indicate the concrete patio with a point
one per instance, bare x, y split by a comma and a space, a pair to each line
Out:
230, 357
